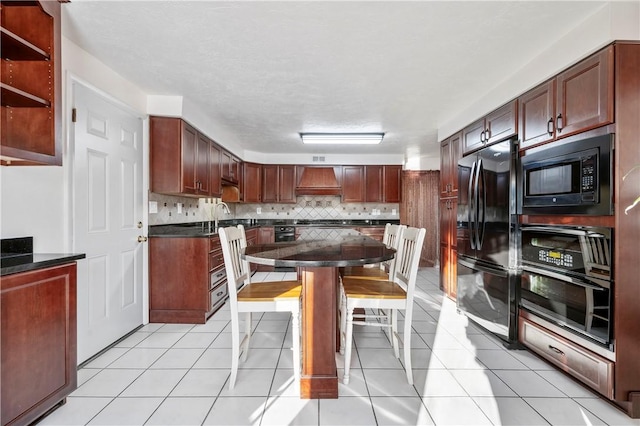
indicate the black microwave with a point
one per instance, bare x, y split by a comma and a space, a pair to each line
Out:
572, 178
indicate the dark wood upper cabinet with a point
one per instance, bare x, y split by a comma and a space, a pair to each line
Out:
287, 184
584, 98
449, 156
374, 184
269, 183
278, 183
30, 83
203, 165
215, 180
179, 158
537, 111
577, 100
231, 168
494, 127
392, 183
251, 183
353, 184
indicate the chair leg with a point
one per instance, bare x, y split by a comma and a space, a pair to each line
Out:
235, 352
343, 321
247, 338
407, 349
295, 335
394, 332
348, 344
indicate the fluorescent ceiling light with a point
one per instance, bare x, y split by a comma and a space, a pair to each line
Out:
342, 138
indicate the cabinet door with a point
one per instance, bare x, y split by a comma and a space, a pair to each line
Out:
286, 184
215, 183
373, 178
449, 156
38, 341
536, 115
502, 123
266, 235
269, 183
474, 136
448, 244
392, 183
251, 183
352, 184
225, 166
585, 95
189, 158
202, 165
236, 167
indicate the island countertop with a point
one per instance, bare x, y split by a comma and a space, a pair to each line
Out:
323, 247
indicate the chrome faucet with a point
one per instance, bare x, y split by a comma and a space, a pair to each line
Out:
225, 207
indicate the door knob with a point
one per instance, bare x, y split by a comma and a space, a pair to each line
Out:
142, 239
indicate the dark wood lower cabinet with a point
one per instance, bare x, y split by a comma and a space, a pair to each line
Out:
187, 279
39, 342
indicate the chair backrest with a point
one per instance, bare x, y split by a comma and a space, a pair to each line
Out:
391, 238
407, 262
233, 241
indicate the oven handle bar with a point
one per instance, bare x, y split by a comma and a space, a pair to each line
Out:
577, 232
564, 278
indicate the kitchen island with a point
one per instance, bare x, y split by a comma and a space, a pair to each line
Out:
317, 255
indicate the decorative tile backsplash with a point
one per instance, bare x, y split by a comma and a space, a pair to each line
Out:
174, 209
318, 207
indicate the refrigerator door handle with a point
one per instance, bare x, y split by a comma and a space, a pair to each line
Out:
472, 208
481, 190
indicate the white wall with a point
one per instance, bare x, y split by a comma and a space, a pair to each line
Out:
614, 21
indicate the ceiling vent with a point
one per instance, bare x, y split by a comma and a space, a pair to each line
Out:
318, 159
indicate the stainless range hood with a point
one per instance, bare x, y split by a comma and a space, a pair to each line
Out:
319, 180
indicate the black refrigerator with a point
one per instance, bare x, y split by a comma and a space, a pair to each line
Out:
487, 225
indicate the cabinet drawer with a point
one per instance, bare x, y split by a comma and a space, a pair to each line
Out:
593, 370
214, 243
216, 259
216, 277
217, 296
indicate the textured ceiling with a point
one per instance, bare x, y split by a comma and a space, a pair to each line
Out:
269, 70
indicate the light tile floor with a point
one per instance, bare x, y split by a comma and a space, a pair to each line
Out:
169, 374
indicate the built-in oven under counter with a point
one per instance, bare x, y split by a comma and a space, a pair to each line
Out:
565, 309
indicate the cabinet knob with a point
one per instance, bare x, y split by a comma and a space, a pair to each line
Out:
482, 136
487, 134
142, 239
559, 124
550, 126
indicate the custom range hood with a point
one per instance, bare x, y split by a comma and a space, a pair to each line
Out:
319, 180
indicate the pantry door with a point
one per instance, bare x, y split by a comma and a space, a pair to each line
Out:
108, 222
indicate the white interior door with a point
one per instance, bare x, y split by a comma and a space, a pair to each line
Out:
108, 219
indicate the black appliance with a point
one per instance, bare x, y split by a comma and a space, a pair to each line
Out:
567, 281
284, 233
487, 239
568, 178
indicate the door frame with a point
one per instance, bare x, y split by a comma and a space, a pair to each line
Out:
69, 163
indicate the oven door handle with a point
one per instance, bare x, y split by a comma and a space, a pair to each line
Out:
577, 232
563, 277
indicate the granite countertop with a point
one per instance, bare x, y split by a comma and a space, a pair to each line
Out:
329, 247
31, 261
206, 229
17, 256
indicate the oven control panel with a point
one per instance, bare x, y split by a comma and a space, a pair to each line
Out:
557, 258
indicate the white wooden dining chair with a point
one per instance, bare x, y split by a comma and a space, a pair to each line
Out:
391, 238
387, 297
247, 297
